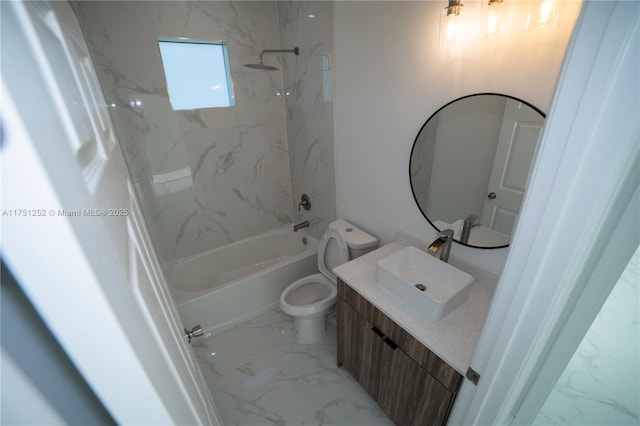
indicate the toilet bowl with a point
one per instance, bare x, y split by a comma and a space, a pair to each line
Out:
309, 299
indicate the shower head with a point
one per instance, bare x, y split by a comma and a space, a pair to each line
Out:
262, 66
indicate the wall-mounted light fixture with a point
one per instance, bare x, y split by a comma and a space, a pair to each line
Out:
492, 14
451, 24
496, 19
543, 14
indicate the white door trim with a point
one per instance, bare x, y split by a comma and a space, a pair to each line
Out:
584, 174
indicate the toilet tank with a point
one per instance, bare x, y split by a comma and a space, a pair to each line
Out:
358, 241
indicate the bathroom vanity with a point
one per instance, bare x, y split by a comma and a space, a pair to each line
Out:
413, 368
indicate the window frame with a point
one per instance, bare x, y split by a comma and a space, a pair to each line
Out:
226, 64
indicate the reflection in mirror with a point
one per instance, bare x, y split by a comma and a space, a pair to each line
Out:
469, 166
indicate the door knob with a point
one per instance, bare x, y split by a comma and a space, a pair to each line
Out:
491, 196
195, 332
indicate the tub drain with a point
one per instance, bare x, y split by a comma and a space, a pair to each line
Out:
421, 287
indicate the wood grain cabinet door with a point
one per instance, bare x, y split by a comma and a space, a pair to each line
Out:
408, 394
403, 388
359, 348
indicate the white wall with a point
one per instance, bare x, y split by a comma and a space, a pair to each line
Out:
390, 76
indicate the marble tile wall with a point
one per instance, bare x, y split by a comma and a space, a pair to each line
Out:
601, 383
209, 177
307, 79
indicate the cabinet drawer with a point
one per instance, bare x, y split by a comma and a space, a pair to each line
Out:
434, 365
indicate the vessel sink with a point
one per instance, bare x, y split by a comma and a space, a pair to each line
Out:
430, 287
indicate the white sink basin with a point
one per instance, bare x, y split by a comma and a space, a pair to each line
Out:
429, 286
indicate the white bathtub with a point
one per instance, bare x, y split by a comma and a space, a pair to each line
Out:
225, 286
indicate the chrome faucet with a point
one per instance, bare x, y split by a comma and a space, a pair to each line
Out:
470, 222
301, 225
443, 243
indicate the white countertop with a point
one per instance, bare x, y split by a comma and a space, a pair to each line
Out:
455, 337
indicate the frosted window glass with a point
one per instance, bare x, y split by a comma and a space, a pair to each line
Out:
197, 73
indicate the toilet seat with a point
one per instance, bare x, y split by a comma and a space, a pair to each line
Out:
310, 300
343, 253
315, 288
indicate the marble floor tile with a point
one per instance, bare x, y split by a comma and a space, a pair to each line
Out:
259, 375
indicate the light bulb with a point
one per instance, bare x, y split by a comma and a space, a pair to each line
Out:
543, 15
452, 30
451, 24
545, 12
493, 23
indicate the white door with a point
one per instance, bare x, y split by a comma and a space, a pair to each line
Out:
73, 234
519, 134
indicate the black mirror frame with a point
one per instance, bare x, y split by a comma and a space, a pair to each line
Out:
416, 140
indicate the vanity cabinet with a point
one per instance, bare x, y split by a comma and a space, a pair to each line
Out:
410, 383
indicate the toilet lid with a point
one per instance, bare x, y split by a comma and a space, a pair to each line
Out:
327, 260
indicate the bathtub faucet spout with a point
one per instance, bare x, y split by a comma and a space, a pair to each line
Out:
301, 225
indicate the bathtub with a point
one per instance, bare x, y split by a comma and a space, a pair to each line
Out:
231, 284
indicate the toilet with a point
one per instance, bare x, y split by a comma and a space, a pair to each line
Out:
310, 299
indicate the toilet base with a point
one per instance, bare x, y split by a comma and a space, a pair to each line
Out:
309, 330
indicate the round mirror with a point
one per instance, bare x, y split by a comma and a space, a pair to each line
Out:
469, 166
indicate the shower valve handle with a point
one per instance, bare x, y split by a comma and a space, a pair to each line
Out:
304, 202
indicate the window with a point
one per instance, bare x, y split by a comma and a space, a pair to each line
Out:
197, 73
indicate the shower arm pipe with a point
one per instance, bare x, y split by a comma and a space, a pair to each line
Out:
295, 51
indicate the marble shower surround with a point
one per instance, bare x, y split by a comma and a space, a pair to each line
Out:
309, 108
207, 177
